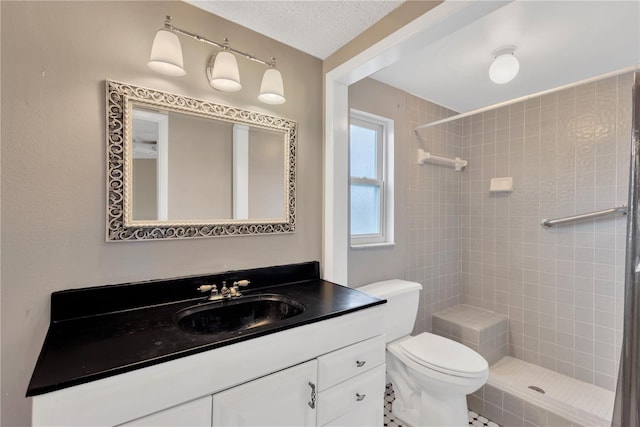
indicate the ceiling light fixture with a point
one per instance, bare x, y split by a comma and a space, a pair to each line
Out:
222, 67
505, 65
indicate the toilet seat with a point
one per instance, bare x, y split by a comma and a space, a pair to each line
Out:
444, 355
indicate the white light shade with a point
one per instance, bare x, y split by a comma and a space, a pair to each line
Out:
224, 75
272, 88
166, 54
504, 68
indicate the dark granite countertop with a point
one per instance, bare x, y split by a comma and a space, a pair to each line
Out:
99, 332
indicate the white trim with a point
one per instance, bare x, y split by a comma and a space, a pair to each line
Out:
374, 245
442, 20
163, 170
240, 171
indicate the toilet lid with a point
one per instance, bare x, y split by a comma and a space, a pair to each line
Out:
444, 355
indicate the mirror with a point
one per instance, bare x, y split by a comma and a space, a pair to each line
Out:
189, 168
180, 167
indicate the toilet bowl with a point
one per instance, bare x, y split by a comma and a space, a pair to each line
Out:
441, 373
431, 375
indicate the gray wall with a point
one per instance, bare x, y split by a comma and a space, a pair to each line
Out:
568, 152
200, 165
266, 174
55, 57
145, 193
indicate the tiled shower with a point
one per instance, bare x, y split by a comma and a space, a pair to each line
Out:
561, 288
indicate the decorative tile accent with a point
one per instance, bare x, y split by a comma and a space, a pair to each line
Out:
391, 421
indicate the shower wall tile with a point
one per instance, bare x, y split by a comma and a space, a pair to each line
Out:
434, 208
562, 288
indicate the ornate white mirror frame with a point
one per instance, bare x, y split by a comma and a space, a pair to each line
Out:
120, 97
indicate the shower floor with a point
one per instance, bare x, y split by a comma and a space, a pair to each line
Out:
391, 421
573, 400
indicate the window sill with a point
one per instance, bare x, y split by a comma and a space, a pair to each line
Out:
374, 245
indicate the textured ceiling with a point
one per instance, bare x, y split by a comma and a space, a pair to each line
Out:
318, 28
557, 43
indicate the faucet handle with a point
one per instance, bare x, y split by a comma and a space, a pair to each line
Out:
206, 288
241, 283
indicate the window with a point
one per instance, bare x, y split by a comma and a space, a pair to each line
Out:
371, 176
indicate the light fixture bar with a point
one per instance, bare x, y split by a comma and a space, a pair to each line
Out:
168, 24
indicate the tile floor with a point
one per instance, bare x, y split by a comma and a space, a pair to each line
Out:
391, 421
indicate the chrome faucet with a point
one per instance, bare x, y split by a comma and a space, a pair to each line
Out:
224, 292
235, 290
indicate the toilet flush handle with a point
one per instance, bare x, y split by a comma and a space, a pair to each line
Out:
360, 397
360, 363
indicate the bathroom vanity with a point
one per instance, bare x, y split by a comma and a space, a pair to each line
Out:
117, 355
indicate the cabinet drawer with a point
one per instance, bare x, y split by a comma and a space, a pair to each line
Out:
351, 395
350, 361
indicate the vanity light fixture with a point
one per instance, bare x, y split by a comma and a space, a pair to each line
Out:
222, 67
166, 54
272, 89
505, 65
222, 71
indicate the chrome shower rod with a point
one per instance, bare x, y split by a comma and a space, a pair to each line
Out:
620, 211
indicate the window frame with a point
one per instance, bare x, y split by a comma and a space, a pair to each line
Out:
384, 128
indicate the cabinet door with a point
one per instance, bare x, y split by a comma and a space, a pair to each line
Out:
280, 399
196, 413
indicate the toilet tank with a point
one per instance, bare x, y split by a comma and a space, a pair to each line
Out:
401, 307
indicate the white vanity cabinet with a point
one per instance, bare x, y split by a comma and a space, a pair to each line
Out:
262, 381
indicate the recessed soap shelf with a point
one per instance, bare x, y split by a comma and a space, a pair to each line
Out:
501, 185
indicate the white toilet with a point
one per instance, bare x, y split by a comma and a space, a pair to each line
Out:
431, 375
